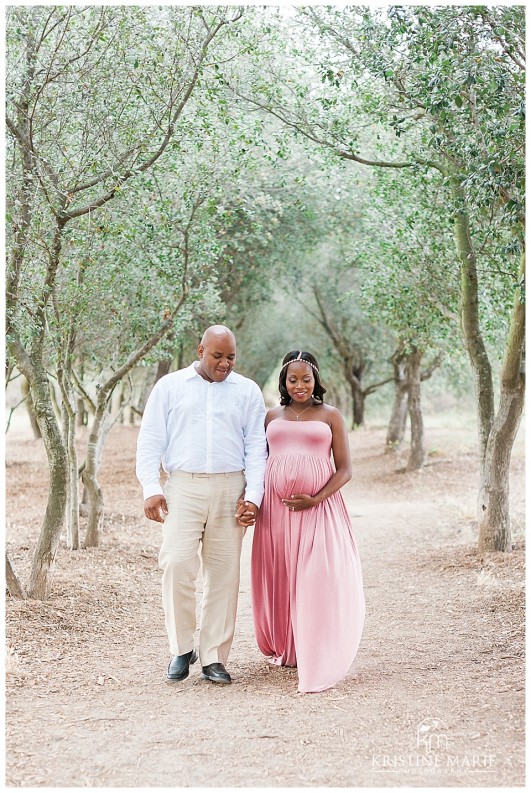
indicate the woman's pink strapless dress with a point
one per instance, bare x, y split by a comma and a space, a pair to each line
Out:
307, 588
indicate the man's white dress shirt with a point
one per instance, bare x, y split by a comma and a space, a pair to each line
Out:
190, 424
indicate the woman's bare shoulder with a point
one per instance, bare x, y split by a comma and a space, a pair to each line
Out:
331, 410
333, 415
274, 413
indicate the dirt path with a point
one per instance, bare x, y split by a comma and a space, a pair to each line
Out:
87, 700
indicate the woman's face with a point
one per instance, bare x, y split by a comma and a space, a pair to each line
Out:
300, 381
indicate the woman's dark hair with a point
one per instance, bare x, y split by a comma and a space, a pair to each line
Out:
305, 357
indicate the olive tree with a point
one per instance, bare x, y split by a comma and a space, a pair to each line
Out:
84, 117
449, 83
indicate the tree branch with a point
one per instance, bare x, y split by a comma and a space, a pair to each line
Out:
169, 133
83, 392
14, 587
370, 389
429, 370
311, 136
518, 61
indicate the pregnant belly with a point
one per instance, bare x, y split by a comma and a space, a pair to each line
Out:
291, 475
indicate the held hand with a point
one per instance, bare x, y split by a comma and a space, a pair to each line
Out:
300, 501
246, 512
155, 508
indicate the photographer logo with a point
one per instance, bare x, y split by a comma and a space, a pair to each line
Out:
435, 755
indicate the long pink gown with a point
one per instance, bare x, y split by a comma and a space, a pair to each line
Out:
307, 588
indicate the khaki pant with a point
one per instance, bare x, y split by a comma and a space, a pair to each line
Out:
200, 526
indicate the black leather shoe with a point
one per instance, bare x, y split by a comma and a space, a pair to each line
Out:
178, 669
216, 673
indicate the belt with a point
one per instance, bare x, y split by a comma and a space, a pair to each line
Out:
192, 475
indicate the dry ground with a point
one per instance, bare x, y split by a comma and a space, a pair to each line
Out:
87, 700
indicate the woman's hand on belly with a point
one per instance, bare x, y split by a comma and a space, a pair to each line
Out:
299, 501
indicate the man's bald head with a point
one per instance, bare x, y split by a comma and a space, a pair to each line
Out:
217, 353
217, 330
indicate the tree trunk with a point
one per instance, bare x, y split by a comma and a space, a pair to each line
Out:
95, 506
26, 391
397, 423
82, 413
72, 502
470, 325
493, 502
358, 403
83, 504
163, 368
396, 428
496, 433
353, 375
14, 587
417, 451
52, 526
31, 365
121, 401
145, 391
98, 433
54, 403
69, 415
180, 355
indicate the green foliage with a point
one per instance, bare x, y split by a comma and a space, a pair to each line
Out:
408, 261
249, 195
433, 95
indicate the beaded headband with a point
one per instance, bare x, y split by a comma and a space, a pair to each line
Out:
299, 358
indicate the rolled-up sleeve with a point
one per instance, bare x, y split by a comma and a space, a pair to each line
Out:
152, 442
255, 447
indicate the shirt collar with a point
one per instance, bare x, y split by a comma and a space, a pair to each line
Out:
190, 372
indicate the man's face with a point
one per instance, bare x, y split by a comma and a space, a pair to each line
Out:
217, 357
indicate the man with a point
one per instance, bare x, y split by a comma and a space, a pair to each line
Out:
205, 423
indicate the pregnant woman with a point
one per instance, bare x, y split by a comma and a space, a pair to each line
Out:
307, 588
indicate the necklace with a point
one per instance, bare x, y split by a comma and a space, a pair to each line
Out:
302, 411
